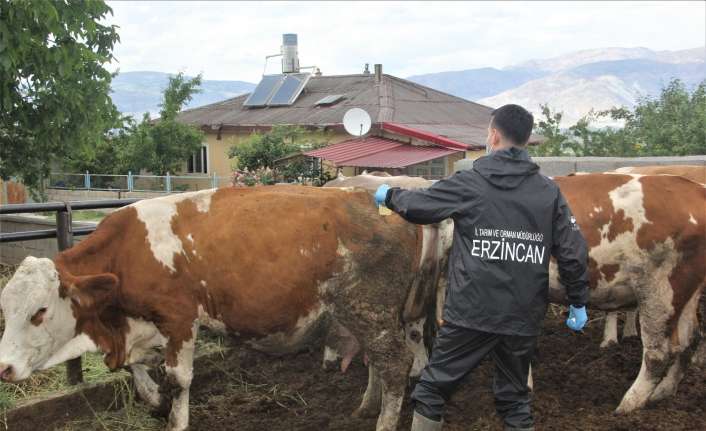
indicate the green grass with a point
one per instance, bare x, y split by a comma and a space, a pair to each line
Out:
54, 380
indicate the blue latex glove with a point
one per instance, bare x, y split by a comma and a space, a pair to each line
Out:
381, 194
577, 318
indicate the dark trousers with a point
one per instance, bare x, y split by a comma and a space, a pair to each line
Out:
457, 351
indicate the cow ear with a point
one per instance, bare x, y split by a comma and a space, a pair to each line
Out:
93, 291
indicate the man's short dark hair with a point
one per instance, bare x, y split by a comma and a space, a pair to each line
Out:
514, 122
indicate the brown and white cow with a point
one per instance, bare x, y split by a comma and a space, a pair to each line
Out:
268, 264
693, 173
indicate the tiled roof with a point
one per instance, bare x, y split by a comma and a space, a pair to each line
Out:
392, 100
376, 152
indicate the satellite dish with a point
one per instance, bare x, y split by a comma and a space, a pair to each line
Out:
356, 122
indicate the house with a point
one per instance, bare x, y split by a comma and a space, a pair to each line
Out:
415, 130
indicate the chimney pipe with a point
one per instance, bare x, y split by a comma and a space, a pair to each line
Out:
290, 53
378, 72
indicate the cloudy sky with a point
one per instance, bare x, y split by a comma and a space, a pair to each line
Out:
230, 40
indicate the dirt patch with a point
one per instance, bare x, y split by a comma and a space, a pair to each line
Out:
577, 386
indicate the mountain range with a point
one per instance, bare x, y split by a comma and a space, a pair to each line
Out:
135, 93
577, 82
573, 83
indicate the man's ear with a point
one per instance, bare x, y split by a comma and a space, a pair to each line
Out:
92, 291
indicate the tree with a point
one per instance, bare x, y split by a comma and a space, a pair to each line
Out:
158, 146
673, 124
54, 88
554, 140
263, 150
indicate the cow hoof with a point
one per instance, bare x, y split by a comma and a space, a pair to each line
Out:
365, 413
171, 427
608, 343
627, 406
162, 410
699, 358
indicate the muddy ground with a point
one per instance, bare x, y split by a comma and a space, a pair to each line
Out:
577, 387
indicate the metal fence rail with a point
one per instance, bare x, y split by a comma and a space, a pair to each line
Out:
64, 234
134, 183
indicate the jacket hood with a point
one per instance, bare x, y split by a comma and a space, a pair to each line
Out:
506, 168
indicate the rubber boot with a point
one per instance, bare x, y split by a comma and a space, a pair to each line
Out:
422, 423
509, 428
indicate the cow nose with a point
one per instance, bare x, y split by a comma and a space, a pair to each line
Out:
6, 372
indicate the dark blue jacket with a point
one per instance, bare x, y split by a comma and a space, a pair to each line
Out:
508, 221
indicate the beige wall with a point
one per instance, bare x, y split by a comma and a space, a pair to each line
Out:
218, 160
474, 154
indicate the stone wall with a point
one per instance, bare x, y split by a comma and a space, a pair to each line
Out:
554, 166
12, 253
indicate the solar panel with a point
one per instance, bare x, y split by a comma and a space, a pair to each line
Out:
290, 89
264, 90
330, 100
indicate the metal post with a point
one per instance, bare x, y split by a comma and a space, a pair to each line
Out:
168, 183
87, 181
65, 240
129, 181
5, 198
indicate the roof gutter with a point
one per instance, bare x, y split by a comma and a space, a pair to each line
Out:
426, 136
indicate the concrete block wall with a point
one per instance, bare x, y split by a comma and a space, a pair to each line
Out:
556, 166
59, 195
12, 253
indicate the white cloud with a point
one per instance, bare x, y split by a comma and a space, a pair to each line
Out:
230, 40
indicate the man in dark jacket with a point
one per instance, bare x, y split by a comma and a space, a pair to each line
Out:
508, 219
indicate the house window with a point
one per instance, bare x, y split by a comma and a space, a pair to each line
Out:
198, 162
433, 169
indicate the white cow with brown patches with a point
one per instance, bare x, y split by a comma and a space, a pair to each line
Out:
693, 173
645, 252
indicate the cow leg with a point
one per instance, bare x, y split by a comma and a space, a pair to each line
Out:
699, 358
610, 330
179, 378
657, 355
372, 398
630, 327
441, 298
392, 360
146, 388
685, 340
331, 356
414, 338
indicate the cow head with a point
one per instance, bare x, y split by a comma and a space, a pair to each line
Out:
39, 315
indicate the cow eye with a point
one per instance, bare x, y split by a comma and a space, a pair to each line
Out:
38, 317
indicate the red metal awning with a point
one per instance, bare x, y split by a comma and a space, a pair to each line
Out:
442, 141
376, 152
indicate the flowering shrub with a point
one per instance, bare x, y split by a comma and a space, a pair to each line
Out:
247, 178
